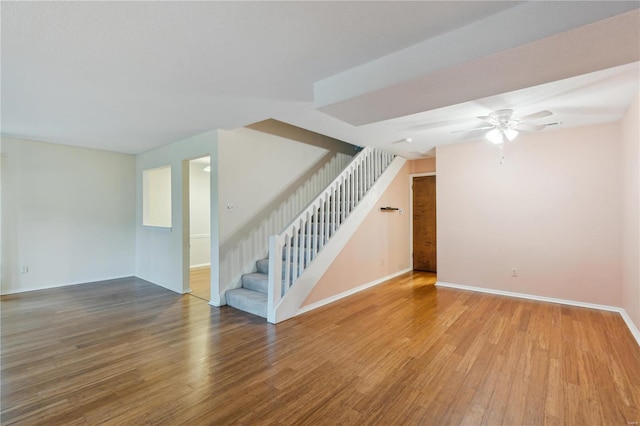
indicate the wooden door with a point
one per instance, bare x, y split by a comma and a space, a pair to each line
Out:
424, 224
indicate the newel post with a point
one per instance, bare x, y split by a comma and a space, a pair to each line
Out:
275, 270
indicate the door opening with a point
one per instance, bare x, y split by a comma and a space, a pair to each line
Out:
200, 228
424, 224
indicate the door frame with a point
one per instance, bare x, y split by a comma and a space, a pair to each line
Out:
411, 176
186, 227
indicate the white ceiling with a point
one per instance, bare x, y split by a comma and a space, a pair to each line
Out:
132, 76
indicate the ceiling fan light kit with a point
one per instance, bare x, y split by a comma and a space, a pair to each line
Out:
503, 127
499, 136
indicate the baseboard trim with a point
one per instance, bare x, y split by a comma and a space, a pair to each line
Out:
626, 318
49, 287
632, 327
200, 265
344, 294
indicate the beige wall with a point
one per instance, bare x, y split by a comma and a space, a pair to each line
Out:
631, 211
379, 248
68, 215
552, 211
424, 165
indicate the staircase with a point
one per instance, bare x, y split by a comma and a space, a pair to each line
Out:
252, 296
300, 243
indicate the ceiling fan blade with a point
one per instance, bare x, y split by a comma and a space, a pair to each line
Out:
536, 115
530, 127
403, 140
473, 129
501, 114
490, 120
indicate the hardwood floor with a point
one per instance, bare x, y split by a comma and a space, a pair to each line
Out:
404, 352
200, 282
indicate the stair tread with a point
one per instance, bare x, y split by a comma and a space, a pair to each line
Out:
246, 300
299, 250
262, 265
256, 281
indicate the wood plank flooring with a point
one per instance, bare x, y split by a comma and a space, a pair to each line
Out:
200, 282
126, 352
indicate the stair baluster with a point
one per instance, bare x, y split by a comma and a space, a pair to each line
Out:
292, 251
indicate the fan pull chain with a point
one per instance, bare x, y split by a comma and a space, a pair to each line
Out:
501, 154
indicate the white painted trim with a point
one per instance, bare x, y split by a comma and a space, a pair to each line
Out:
199, 236
632, 327
529, 296
49, 287
344, 294
297, 294
411, 176
158, 227
200, 265
621, 311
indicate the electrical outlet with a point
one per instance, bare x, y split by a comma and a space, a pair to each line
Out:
24, 269
514, 273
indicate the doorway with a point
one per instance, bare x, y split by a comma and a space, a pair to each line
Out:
424, 235
200, 228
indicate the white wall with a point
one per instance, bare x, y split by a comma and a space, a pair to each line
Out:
200, 213
68, 214
161, 254
266, 181
630, 127
552, 211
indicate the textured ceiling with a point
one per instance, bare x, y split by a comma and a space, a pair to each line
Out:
132, 76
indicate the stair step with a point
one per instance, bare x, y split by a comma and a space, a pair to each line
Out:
256, 282
246, 300
262, 266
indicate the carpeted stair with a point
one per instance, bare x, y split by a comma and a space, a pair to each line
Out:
252, 296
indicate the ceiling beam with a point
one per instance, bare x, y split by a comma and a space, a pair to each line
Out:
524, 46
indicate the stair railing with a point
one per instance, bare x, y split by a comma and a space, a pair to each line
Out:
291, 252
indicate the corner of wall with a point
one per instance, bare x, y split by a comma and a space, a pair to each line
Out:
160, 253
630, 158
63, 225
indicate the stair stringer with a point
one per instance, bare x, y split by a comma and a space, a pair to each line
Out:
290, 304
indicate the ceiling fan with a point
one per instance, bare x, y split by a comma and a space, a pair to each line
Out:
503, 127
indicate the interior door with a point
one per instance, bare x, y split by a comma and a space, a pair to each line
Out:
424, 224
